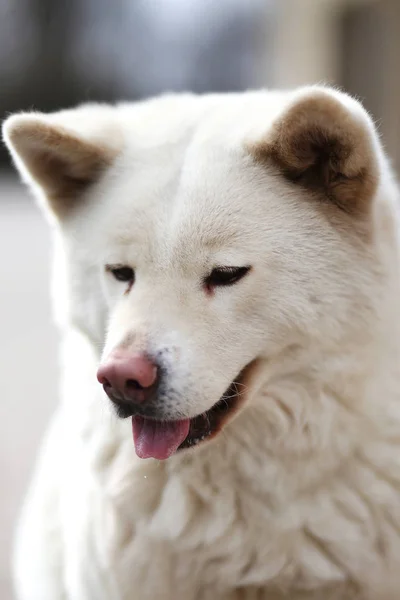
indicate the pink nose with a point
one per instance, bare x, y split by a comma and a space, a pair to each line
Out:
127, 376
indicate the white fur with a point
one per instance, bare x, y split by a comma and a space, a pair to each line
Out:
300, 493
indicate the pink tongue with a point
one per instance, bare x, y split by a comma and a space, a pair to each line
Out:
158, 439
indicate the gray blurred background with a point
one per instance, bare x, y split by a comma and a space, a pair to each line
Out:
55, 53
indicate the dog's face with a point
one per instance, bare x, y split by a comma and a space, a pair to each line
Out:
200, 250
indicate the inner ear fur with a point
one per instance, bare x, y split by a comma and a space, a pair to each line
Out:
60, 162
327, 147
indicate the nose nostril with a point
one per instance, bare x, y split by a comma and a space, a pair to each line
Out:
132, 384
130, 378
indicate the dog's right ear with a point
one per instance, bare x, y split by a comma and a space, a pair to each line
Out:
55, 158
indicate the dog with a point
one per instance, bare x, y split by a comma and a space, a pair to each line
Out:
226, 281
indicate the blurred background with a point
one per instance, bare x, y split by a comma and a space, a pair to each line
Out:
55, 53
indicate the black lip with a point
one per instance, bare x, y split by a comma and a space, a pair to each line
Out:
209, 424
125, 408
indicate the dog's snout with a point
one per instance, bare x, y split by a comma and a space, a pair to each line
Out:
129, 377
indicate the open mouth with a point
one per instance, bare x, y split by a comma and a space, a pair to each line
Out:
161, 439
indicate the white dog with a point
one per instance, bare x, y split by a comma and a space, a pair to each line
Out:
229, 265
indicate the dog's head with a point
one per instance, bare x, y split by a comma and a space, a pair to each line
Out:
202, 237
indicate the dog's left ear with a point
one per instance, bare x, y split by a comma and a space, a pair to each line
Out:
54, 157
325, 142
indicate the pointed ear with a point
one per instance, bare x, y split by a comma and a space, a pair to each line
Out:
325, 142
55, 158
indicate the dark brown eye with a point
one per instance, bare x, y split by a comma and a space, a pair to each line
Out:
122, 273
224, 276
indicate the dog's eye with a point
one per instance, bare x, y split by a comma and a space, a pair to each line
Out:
122, 273
224, 276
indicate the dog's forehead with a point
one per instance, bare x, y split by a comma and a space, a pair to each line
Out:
196, 195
